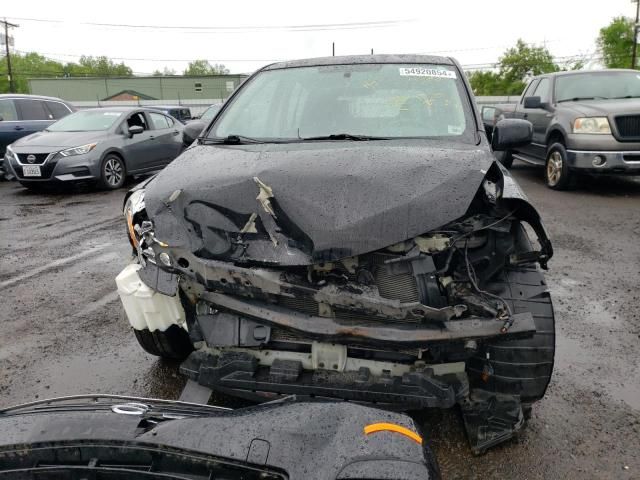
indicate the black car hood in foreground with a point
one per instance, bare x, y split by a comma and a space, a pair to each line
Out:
303, 203
320, 440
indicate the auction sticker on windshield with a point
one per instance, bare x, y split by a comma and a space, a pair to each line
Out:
426, 72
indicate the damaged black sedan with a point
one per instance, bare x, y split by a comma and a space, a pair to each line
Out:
341, 230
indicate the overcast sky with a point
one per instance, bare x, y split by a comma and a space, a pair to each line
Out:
252, 33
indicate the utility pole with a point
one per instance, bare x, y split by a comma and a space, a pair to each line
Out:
333, 49
7, 41
635, 35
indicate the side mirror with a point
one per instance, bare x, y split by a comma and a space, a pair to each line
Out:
532, 102
135, 129
192, 130
510, 133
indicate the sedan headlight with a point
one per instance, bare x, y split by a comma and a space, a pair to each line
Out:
591, 125
81, 150
134, 204
9, 152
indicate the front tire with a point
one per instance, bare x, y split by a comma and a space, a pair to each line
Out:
113, 172
556, 172
173, 343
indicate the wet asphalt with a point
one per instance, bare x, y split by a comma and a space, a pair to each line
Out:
63, 330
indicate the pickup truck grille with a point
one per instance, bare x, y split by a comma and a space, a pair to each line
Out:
628, 127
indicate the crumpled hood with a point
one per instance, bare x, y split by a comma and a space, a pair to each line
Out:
57, 140
330, 199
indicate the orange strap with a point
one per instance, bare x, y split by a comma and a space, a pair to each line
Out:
392, 427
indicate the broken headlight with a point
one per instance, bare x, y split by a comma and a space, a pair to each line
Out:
133, 206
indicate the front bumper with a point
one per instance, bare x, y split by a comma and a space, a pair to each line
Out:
57, 168
611, 162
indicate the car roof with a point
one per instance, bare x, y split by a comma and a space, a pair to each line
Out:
167, 106
117, 109
361, 59
581, 72
34, 97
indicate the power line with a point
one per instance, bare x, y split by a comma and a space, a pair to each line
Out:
243, 29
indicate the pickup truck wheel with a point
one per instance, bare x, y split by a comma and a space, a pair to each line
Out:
505, 158
556, 172
172, 343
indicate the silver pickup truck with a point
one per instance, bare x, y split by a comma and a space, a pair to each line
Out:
584, 121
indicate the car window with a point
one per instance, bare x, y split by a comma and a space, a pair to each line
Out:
210, 112
59, 110
185, 114
8, 110
138, 119
388, 100
489, 113
159, 121
528, 92
32, 110
86, 121
543, 90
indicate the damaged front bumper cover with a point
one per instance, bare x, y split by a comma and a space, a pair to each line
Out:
331, 329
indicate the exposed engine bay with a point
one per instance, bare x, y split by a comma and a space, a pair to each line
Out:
410, 324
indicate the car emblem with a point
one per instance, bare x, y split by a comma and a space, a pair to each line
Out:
31, 158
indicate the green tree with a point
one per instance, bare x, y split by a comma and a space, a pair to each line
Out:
25, 66
514, 66
615, 43
203, 67
521, 61
167, 72
34, 65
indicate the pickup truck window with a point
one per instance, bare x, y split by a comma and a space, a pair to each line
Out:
529, 90
381, 100
597, 86
543, 90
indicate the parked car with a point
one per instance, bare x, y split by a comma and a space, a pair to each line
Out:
22, 115
103, 144
583, 121
342, 229
110, 436
176, 111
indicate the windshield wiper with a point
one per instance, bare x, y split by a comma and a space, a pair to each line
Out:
344, 136
577, 99
231, 140
626, 96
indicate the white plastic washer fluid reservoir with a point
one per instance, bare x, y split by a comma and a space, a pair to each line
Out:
146, 308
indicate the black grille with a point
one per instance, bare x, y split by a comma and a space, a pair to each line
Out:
628, 127
39, 158
46, 171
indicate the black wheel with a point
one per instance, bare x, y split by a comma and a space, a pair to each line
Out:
172, 343
505, 158
556, 172
112, 172
524, 366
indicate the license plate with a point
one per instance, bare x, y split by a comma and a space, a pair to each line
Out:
31, 171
